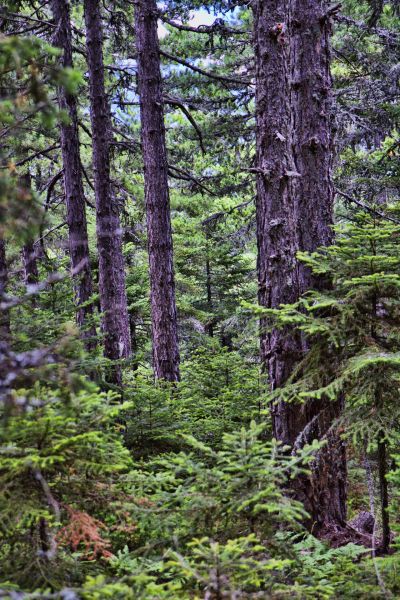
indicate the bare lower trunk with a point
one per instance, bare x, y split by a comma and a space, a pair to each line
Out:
29, 257
163, 307
5, 330
73, 186
276, 227
209, 328
294, 212
112, 290
29, 250
383, 491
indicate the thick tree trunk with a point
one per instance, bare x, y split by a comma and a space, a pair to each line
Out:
73, 186
163, 307
112, 290
294, 212
276, 227
311, 96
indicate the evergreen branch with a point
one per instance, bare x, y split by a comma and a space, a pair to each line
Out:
36, 154
186, 112
216, 27
366, 207
222, 78
185, 176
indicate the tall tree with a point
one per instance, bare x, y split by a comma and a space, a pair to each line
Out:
159, 233
314, 150
113, 298
73, 186
294, 212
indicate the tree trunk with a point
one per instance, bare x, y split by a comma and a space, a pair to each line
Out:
209, 328
294, 212
29, 252
73, 186
163, 307
29, 257
383, 491
5, 330
112, 290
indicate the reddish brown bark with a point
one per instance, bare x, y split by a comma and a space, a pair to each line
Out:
112, 290
73, 186
294, 212
160, 250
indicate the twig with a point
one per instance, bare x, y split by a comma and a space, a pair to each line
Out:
179, 104
224, 213
39, 287
185, 176
369, 209
205, 29
222, 78
39, 153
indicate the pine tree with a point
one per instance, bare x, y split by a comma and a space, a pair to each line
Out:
353, 332
159, 234
112, 290
294, 209
73, 185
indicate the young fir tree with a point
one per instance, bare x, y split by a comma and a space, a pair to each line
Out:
353, 334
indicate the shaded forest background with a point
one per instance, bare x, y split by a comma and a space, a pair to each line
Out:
200, 299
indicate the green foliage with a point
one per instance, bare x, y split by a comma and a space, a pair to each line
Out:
213, 491
353, 329
177, 491
219, 391
57, 448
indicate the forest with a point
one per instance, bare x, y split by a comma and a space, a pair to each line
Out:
199, 299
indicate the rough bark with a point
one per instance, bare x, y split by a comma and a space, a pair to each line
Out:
294, 212
5, 330
112, 290
311, 97
160, 250
383, 492
209, 327
5, 327
73, 185
276, 229
29, 251
29, 257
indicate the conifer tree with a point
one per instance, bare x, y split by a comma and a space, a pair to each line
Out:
73, 185
294, 212
112, 290
352, 330
159, 234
